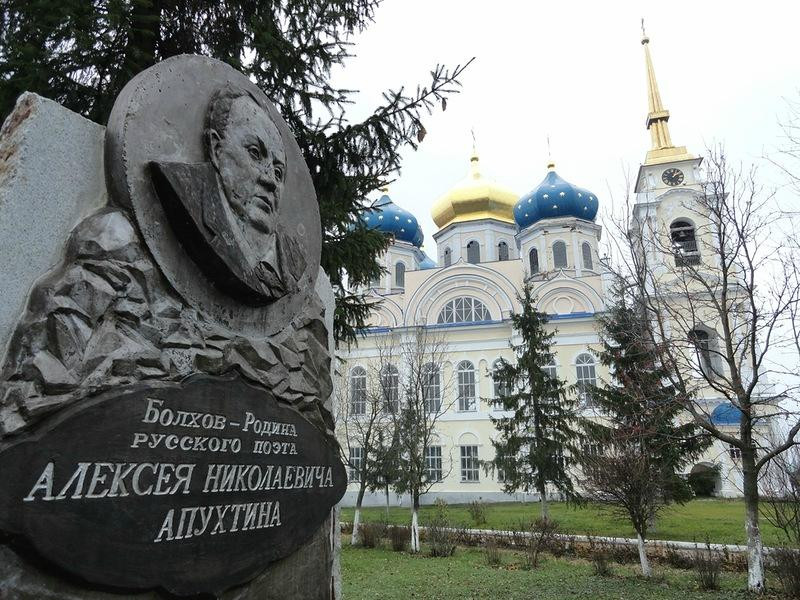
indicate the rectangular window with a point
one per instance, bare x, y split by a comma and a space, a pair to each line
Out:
734, 452
358, 397
433, 463
501, 475
356, 464
466, 387
431, 389
592, 450
469, 463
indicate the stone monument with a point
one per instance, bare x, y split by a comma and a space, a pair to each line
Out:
165, 334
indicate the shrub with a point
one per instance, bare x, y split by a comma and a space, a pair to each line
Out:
477, 510
494, 557
399, 537
707, 564
440, 539
600, 555
562, 546
439, 536
678, 559
540, 535
623, 554
371, 532
785, 562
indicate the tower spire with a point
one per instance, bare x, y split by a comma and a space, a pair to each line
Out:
661, 149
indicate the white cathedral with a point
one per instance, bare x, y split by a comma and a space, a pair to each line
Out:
489, 242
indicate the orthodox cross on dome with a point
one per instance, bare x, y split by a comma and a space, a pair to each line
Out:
662, 149
474, 156
550, 164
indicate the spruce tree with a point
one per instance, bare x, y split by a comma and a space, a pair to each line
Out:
636, 449
82, 52
535, 447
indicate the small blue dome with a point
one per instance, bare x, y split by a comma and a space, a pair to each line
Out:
426, 263
393, 220
554, 198
726, 414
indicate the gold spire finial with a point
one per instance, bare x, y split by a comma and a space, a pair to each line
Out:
385, 189
661, 149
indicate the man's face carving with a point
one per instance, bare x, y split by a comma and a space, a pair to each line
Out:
251, 162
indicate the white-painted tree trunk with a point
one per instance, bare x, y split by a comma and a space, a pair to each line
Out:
755, 550
646, 570
414, 531
356, 522
755, 553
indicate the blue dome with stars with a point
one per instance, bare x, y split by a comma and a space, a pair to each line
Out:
393, 220
555, 198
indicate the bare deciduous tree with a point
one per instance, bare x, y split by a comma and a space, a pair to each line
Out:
416, 395
719, 296
781, 495
367, 429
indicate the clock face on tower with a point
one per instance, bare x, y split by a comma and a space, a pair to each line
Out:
672, 177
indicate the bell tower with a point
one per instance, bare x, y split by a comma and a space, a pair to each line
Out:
666, 212
666, 166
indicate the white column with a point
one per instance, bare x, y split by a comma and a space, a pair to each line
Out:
576, 254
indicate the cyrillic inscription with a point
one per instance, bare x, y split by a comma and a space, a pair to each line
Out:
212, 472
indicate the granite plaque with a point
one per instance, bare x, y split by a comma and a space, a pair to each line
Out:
191, 487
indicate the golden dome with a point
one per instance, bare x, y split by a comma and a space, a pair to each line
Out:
472, 198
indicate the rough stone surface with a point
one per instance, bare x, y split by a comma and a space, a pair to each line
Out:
85, 307
106, 317
51, 177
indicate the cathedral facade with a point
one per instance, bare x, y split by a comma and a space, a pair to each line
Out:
489, 243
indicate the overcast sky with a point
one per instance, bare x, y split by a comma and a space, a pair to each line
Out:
575, 71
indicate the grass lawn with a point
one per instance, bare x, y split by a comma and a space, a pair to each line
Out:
721, 520
386, 575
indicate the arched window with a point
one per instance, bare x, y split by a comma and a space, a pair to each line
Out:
431, 388
358, 391
463, 310
466, 385
702, 344
448, 257
533, 259
501, 388
390, 387
586, 249
502, 251
473, 252
400, 275
585, 376
684, 244
559, 255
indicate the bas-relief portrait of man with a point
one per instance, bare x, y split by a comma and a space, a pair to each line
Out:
226, 211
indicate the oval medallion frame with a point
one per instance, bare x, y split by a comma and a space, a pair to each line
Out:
160, 116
